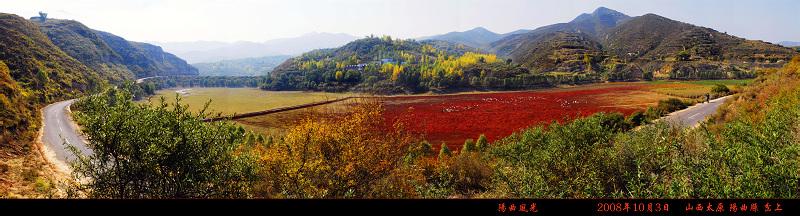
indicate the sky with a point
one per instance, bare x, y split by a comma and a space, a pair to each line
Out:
262, 20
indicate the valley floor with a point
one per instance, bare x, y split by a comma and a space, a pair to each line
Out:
452, 118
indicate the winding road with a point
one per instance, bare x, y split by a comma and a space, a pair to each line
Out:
59, 131
692, 116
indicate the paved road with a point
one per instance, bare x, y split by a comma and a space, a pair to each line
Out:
692, 116
58, 130
140, 80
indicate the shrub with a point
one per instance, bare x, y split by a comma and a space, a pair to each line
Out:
636, 118
671, 105
720, 89
563, 160
338, 156
159, 152
470, 174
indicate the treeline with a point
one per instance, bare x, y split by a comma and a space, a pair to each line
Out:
150, 86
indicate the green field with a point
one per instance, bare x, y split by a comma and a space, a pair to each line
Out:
241, 100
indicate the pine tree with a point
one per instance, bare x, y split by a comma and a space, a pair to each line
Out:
482, 143
469, 146
444, 151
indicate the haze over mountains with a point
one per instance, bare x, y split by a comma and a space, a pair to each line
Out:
212, 51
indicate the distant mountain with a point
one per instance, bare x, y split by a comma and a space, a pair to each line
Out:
592, 24
241, 67
478, 37
789, 43
110, 54
607, 41
209, 51
520, 31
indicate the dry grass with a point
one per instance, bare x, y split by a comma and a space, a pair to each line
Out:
692, 89
277, 123
30, 176
633, 99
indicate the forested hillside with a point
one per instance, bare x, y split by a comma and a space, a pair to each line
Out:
110, 54
44, 62
393, 66
35, 72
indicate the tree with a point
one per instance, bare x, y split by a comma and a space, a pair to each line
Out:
444, 152
482, 144
469, 146
339, 76
140, 151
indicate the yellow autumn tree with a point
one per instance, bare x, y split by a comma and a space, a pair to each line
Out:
335, 156
339, 75
396, 70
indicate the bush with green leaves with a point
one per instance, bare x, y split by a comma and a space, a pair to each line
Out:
755, 156
720, 89
557, 161
164, 151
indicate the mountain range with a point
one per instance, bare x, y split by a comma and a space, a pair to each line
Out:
259, 66
478, 37
610, 40
212, 51
789, 43
605, 45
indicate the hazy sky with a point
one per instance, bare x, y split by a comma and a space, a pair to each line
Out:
260, 20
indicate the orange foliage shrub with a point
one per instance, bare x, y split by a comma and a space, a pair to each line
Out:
334, 157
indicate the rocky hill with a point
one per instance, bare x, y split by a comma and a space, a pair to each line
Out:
608, 42
673, 49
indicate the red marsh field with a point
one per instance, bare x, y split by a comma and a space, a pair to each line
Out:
454, 118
